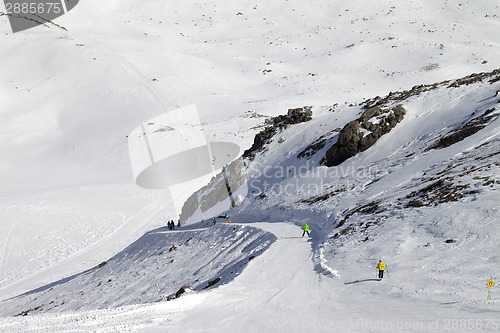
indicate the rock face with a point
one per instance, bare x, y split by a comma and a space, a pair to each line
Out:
234, 174
180, 292
351, 139
472, 126
346, 146
220, 187
276, 125
380, 118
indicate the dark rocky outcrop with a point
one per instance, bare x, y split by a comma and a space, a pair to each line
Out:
397, 97
351, 139
376, 108
317, 145
220, 187
233, 175
276, 125
346, 146
468, 128
212, 283
180, 292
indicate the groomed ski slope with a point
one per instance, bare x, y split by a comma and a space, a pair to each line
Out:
279, 291
68, 201
149, 270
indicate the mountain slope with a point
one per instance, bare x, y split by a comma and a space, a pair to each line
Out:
424, 204
149, 270
423, 197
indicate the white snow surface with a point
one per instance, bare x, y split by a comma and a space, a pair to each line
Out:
83, 249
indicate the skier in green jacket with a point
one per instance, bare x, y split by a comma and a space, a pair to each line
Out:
305, 227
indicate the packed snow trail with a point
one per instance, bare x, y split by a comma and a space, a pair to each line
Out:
278, 291
281, 291
266, 297
262, 286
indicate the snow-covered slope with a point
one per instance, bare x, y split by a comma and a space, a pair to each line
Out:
68, 202
424, 198
430, 211
153, 267
122, 63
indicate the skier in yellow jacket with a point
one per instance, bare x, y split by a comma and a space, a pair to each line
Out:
490, 286
381, 269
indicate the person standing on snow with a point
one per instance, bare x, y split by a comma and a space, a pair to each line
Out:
490, 286
228, 219
214, 221
305, 227
381, 269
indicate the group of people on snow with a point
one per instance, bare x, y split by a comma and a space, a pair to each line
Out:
225, 217
381, 266
171, 225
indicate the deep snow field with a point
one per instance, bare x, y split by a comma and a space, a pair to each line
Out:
84, 249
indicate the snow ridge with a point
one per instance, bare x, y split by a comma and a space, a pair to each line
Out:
149, 270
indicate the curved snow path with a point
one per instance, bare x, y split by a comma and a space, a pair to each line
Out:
279, 289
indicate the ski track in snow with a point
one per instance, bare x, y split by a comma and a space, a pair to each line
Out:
222, 307
279, 291
136, 60
4, 253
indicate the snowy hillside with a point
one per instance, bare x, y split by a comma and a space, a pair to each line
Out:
150, 269
424, 198
83, 248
